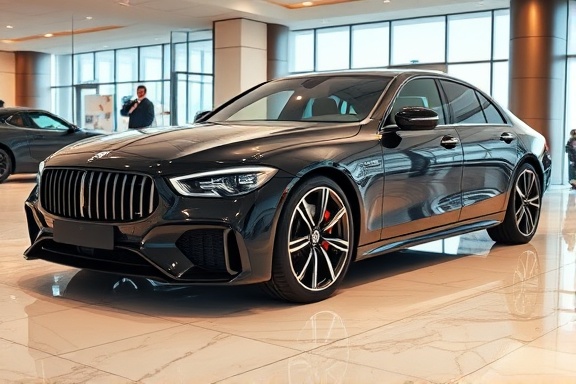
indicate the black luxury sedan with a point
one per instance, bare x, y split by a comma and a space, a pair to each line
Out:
28, 136
288, 183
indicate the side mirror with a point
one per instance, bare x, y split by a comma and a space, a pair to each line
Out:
199, 116
416, 118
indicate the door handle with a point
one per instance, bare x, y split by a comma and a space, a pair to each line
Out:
449, 142
507, 137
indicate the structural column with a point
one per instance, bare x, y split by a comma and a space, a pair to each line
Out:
538, 34
33, 80
247, 53
239, 57
7, 78
277, 50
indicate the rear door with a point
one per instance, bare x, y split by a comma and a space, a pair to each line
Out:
490, 149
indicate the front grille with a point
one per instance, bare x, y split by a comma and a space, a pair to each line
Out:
97, 195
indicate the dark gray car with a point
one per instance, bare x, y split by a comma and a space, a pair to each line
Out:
28, 136
288, 183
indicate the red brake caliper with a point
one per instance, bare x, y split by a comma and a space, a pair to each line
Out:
325, 244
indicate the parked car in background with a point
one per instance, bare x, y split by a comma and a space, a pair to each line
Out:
288, 183
28, 136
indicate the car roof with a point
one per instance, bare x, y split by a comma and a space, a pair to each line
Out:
374, 72
21, 109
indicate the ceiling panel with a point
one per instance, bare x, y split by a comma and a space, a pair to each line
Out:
145, 22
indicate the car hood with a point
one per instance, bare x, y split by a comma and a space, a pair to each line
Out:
202, 146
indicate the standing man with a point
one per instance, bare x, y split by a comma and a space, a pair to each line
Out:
571, 151
140, 111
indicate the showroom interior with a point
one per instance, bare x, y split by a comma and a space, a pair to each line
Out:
459, 310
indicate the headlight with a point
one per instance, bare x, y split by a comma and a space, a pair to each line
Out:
223, 183
40, 170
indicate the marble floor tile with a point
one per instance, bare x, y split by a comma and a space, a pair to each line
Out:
22, 364
461, 310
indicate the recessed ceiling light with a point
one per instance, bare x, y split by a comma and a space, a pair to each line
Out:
298, 4
386, 1
9, 27
88, 17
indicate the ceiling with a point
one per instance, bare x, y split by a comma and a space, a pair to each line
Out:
82, 25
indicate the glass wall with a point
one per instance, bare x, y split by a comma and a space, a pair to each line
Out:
370, 45
570, 116
434, 42
90, 88
418, 41
472, 46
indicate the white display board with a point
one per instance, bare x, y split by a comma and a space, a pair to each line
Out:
98, 113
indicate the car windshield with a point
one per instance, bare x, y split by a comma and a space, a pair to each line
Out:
343, 98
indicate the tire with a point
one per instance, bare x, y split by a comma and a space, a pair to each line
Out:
523, 211
5, 165
314, 243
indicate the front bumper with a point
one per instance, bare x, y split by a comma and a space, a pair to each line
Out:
185, 241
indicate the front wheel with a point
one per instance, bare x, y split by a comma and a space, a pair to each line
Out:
314, 243
523, 212
5, 165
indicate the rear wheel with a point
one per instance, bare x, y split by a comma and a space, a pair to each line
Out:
523, 212
314, 243
5, 165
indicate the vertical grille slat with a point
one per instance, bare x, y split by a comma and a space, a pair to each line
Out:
76, 187
132, 197
89, 194
97, 195
153, 202
142, 189
114, 198
63, 198
122, 197
59, 197
67, 183
106, 197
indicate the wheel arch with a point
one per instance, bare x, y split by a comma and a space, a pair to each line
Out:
12, 158
533, 161
351, 192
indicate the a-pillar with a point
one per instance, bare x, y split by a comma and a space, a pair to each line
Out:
538, 35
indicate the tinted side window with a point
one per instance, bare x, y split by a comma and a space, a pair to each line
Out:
44, 121
419, 93
464, 104
490, 111
16, 120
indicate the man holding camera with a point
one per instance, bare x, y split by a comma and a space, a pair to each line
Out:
140, 111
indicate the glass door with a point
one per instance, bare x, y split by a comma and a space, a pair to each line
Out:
84, 119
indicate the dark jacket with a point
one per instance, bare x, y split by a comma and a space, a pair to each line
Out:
142, 116
571, 150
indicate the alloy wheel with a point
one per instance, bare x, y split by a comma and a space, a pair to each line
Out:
319, 239
527, 202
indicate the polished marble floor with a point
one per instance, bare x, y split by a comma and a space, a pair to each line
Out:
463, 310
